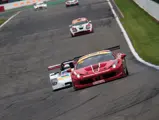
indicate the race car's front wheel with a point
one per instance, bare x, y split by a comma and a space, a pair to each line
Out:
92, 30
74, 88
125, 69
72, 35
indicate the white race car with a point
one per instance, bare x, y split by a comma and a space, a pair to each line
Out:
80, 26
61, 79
40, 5
71, 3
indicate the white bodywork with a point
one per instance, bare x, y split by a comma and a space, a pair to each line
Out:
86, 27
60, 80
71, 2
39, 5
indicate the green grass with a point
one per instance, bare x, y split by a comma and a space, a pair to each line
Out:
142, 30
2, 21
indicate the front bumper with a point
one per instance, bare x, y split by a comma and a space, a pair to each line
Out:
96, 79
85, 31
61, 86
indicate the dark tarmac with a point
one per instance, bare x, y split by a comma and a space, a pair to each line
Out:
32, 41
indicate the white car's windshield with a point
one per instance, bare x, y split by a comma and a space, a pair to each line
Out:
94, 60
80, 23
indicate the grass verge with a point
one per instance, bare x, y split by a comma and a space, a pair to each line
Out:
142, 30
2, 21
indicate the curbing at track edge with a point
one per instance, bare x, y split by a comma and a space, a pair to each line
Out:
129, 41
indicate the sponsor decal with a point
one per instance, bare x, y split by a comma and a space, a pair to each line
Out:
63, 77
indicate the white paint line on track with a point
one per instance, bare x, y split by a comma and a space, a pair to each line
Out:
118, 9
9, 19
129, 41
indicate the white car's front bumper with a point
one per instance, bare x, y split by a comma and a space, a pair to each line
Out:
61, 85
81, 31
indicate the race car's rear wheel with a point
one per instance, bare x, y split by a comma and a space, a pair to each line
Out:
125, 69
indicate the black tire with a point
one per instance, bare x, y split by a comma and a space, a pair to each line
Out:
125, 69
72, 35
74, 88
92, 30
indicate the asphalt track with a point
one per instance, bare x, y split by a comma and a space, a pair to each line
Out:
34, 40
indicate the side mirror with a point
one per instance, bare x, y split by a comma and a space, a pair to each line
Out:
90, 21
70, 25
123, 56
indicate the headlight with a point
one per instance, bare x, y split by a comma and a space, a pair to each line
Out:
74, 29
54, 82
78, 76
114, 66
88, 26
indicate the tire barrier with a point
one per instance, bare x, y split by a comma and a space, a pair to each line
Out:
2, 9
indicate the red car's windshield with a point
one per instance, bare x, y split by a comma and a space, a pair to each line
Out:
95, 59
80, 23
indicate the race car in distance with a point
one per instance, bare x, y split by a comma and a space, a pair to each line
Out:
98, 67
40, 5
61, 78
69, 3
80, 26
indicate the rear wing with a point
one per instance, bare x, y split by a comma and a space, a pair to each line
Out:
113, 48
67, 62
53, 67
75, 59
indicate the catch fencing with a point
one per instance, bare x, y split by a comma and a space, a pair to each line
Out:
19, 4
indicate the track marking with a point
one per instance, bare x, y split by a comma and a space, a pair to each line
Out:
129, 41
9, 19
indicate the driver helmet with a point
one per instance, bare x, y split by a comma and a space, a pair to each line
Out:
66, 66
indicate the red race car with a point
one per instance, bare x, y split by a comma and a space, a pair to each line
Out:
98, 67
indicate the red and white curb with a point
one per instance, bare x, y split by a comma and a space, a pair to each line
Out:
9, 19
129, 41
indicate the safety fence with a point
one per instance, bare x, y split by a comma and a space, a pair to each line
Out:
18, 4
150, 7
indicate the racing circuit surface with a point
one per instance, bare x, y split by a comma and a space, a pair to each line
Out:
34, 40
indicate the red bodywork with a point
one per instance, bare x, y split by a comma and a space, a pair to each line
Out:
98, 73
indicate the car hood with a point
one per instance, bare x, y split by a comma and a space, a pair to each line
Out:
96, 67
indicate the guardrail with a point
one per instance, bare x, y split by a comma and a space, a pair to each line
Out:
19, 4
150, 7
2, 9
